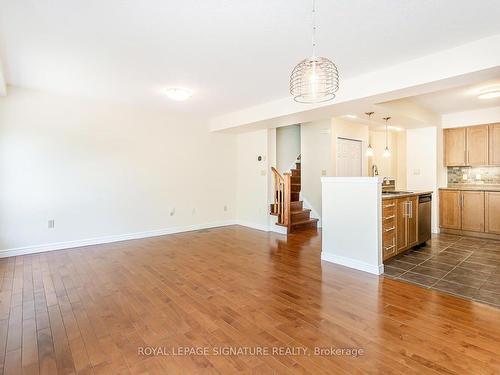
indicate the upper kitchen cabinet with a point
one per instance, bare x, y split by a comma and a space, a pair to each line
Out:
473, 145
477, 145
494, 138
455, 147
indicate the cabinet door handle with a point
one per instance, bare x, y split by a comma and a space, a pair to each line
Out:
389, 229
390, 205
389, 217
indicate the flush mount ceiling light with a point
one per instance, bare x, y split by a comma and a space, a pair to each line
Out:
178, 93
315, 79
490, 93
387, 152
369, 150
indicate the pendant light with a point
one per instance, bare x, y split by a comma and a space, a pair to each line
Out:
387, 152
369, 150
315, 79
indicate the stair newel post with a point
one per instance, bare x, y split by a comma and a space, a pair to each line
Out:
287, 199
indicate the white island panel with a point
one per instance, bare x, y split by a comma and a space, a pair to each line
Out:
351, 230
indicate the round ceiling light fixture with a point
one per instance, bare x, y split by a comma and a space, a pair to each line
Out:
178, 93
315, 79
490, 93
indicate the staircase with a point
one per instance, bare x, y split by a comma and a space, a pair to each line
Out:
287, 204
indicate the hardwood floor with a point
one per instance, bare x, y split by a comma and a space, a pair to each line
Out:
91, 310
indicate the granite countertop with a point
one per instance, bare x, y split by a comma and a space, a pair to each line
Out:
481, 187
409, 194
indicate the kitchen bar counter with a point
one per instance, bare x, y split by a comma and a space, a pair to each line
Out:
472, 187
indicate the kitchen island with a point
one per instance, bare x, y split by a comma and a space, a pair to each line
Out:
358, 230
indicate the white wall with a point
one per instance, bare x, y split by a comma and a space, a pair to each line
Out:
319, 154
101, 169
395, 165
469, 118
421, 156
316, 160
387, 167
252, 179
352, 222
287, 146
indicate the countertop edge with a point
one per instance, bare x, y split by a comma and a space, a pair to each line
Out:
412, 194
495, 188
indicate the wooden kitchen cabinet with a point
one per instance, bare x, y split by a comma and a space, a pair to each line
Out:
455, 142
472, 203
477, 145
389, 228
450, 212
406, 223
492, 212
494, 144
412, 221
401, 212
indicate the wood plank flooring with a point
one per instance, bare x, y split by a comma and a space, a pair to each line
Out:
90, 310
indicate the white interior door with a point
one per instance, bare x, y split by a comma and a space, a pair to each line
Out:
349, 157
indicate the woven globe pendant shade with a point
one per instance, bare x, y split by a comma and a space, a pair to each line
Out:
314, 80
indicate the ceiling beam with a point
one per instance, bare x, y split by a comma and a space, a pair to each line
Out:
453, 67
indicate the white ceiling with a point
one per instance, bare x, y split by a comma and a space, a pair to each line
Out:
458, 99
233, 54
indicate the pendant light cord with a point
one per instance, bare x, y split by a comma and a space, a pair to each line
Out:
313, 28
386, 133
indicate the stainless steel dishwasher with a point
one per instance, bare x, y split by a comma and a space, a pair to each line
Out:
424, 217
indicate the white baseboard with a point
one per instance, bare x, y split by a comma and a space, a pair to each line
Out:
352, 263
108, 239
248, 224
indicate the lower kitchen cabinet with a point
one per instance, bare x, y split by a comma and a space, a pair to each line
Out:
407, 223
472, 211
450, 213
389, 228
492, 212
412, 221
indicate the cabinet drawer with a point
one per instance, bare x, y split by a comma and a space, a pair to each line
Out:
388, 208
389, 226
389, 246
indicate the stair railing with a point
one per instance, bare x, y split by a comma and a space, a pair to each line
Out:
282, 197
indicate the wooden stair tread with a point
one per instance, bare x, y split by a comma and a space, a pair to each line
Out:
308, 221
300, 211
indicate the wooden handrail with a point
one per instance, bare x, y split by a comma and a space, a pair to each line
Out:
277, 174
282, 197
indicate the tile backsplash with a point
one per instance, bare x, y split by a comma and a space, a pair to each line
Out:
474, 175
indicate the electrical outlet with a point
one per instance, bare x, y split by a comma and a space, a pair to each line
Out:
51, 223
263, 172
323, 172
172, 211
464, 177
225, 208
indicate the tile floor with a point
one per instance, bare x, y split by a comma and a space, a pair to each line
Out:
463, 266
